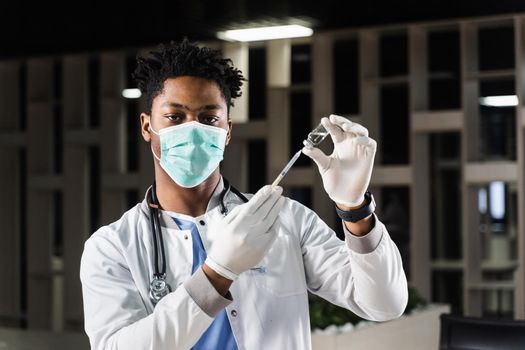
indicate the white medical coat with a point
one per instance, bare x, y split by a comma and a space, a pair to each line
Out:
270, 303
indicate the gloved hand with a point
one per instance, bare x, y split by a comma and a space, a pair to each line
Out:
346, 172
243, 237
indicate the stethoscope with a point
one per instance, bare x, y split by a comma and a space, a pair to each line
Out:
158, 286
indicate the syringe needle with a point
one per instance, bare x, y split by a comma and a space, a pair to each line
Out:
287, 167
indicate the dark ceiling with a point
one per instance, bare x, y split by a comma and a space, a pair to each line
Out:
84, 26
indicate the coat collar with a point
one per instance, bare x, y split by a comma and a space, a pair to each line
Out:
166, 219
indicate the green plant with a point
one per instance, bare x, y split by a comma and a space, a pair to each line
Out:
324, 313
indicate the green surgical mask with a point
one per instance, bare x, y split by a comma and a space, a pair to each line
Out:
190, 152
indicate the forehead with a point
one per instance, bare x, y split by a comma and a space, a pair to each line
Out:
190, 91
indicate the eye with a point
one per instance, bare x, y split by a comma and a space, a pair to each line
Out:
209, 119
175, 118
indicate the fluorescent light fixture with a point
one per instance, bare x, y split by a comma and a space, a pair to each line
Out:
499, 101
131, 93
497, 199
266, 33
482, 200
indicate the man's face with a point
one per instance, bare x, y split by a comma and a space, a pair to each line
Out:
185, 99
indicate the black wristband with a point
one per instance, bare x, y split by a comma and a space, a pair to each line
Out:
361, 213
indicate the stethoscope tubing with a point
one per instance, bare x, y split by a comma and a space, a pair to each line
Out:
159, 276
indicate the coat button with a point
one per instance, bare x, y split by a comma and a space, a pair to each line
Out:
202, 222
233, 313
185, 236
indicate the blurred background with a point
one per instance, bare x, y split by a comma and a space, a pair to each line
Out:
439, 85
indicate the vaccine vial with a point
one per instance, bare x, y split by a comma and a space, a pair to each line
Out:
316, 136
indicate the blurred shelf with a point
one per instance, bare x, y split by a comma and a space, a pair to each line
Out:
437, 121
391, 175
499, 265
447, 265
493, 286
251, 130
300, 87
485, 172
443, 75
393, 80
491, 74
486, 266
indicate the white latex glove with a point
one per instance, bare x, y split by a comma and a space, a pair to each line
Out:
243, 237
346, 172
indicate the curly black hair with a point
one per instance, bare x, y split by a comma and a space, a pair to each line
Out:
186, 59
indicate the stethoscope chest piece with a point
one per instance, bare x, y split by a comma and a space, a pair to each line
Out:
159, 288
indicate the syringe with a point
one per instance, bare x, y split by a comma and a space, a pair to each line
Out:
286, 168
315, 137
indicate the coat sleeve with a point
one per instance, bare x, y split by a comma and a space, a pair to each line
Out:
115, 315
362, 274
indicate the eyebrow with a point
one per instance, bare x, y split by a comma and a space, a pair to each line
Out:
178, 105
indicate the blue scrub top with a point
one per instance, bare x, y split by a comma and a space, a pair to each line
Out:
219, 335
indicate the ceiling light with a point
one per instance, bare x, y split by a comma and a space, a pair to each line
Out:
482, 200
266, 33
499, 101
131, 93
497, 199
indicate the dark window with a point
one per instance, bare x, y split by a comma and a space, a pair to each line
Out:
23, 233
58, 232
496, 48
395, 215
444, 94
445, 146
346, 77
257, 83
133, 121
94, 91
444, 68
394, 125
445, 196
300, 124
393, 55
131, 64
57, 80
132, 135
94, 188
301, 64
58, 130
447, 288
497, 124
57, 116
22, 96
256, 165
443, 51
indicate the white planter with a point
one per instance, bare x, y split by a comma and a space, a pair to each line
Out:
417, 331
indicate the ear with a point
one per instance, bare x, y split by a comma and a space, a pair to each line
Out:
145, 127
229, 135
